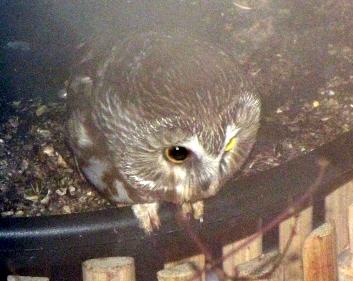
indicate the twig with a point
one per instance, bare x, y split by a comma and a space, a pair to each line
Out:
289, 211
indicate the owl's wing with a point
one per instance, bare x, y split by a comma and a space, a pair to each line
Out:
89, 56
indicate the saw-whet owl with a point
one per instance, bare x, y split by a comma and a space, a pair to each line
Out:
159, 116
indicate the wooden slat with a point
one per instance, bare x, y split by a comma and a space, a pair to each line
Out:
181, 272
345, 259
262, 268
336, 210
350, 228
345, 269
197, 261
109, 269
291, 266
247, 253
319, 255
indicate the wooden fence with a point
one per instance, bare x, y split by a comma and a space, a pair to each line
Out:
303, 253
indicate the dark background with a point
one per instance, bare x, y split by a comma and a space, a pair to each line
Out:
286, 43
53, 28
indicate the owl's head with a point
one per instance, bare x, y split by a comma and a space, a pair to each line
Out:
178, 114
185, 159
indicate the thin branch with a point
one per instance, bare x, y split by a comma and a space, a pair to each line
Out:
289, 211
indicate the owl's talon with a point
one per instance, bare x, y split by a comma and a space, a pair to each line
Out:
186, 211
195, 209
147, 215
198, 210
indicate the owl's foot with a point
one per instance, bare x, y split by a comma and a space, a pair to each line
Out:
147, 215
196, 209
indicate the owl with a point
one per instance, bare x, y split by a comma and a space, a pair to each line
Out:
159, 116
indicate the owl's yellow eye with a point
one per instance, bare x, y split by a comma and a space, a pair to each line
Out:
176, 154
231, 144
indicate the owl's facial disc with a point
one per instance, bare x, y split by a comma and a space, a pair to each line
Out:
196, 172
185, 166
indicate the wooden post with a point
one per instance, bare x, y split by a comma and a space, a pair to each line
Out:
291, 266
345, 258
350, 230
109, 269
260, 268
181, 272
336, 206
198, 261
319, 255
25, 278
245, 254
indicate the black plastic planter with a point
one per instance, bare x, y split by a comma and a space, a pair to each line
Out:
55, 246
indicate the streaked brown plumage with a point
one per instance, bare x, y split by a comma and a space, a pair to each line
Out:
160, 117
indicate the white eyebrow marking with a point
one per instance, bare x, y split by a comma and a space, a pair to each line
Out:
231, 132
210, 162
196, 147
